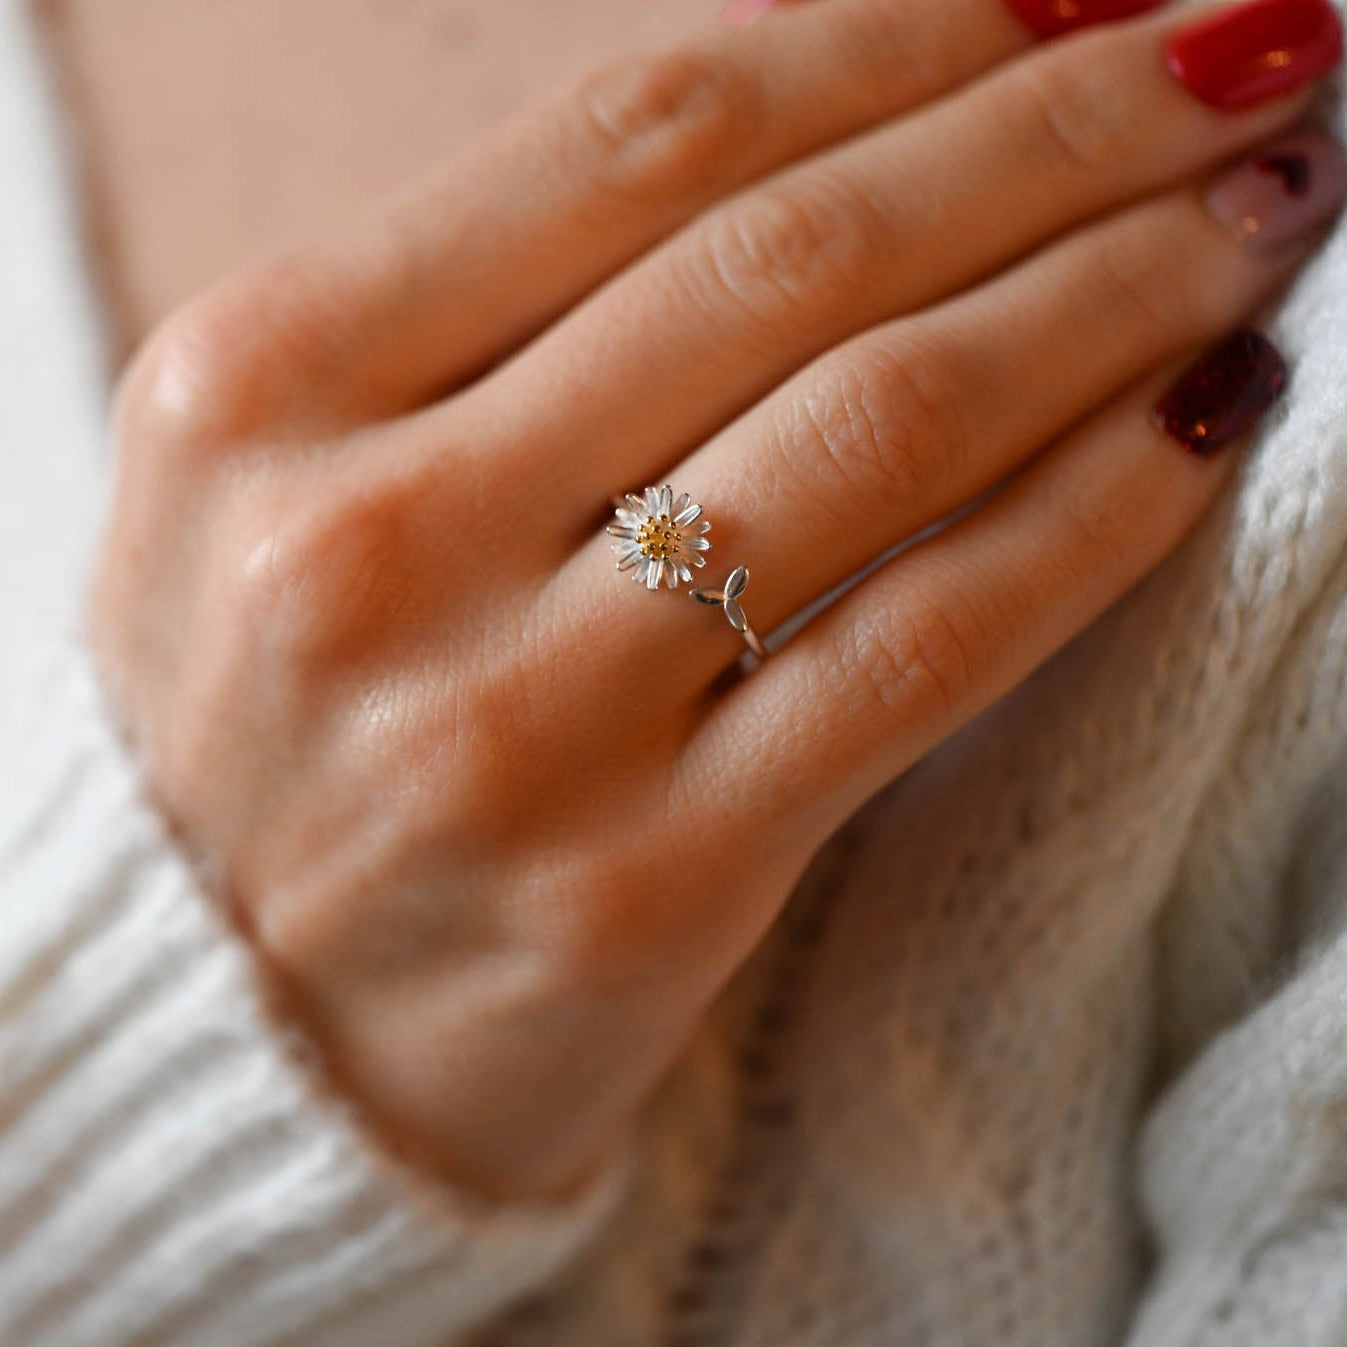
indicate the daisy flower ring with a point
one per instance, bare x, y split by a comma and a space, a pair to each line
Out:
661, 540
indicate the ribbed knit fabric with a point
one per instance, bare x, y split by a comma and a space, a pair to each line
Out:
168, 1171
1048, 1049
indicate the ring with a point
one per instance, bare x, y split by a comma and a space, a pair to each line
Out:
660, 541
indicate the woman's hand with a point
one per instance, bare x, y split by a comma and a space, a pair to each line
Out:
494, 816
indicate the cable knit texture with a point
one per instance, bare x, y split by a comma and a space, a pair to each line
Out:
1048, 1049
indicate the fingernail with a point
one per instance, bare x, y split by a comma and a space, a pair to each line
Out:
740, 13
1051, 18
1286, 190
1223, 394
1256, 51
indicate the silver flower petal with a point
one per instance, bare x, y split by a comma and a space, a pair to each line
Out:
655, 511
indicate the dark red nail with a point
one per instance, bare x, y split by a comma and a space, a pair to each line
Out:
1051, 18
1223, 394
1257, 51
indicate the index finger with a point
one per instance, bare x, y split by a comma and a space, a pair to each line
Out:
467, 264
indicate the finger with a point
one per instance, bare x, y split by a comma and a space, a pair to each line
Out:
900, 427
903, 425
879, 227
462, 267
941, 632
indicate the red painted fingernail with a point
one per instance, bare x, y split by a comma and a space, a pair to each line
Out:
1283, 192
1257, 51
1223, 394
1051, 18
740, 13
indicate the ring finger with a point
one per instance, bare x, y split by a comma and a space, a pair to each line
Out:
897, 428
941, 632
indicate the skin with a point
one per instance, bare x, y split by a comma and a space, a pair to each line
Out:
193, 171
501, 823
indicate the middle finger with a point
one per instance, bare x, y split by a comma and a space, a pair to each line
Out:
665, 355
897, 429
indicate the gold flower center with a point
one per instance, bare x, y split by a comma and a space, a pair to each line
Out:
659, 539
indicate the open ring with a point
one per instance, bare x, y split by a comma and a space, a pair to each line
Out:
662, 540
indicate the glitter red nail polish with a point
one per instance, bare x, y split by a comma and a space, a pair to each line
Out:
1257, 51
1051, 18
1223, 394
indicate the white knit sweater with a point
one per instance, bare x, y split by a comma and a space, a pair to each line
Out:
1049, 1048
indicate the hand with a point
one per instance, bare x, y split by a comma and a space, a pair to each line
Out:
501, 822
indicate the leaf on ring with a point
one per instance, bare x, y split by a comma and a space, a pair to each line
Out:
736, 615
737, 583
708, 596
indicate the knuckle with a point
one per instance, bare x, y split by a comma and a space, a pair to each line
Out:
1072, 112
281, 567
1095, 531
789, 247
922, 667
1141, 284
318, 588
662, 123
225, 365
181, 392
876, 428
